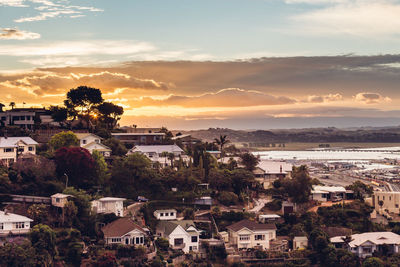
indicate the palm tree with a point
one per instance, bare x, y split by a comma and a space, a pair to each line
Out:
12, 105
171, 157
1, 107
221, 142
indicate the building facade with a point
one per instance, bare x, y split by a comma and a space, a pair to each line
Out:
14, 224
12, 147
180, 234
124, 231
109, 205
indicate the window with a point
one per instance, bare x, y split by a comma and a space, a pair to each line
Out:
397, 206
19, 225
28, 118
21, 149
84, 142
31, 148
161, 214
22, 118
3, 118
58, 200
194, 239
141, 240
194, 247
1, 226
390, 198
15, 118
270, 235
137, 240
7, 150
244, 237
383, 197
367, 249
259, 237
190, 248
97, 141
172, 214
115, 240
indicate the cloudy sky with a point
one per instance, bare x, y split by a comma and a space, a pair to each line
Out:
243, 64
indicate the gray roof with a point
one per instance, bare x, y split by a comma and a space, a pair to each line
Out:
251, 225
12, 141
157, 149
169, 226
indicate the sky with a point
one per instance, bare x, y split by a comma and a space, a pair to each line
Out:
241, 64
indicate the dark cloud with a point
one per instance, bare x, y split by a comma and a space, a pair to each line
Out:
231, 97
15, 34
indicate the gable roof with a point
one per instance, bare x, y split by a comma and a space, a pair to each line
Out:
11, 217
61, 195
170, 226
120, 227
157, 149
83, 135
104, 147
378, 238
251, 225
12, 141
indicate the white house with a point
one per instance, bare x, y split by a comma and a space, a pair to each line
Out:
165, 215
363, 245
326, 193
92, 142
249, 234
59, 200
268, 218
180, 234
13, 224
109, 205
156, 153
124, 231
268, 171
12, 147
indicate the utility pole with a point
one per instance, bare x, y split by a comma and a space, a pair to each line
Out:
66, 180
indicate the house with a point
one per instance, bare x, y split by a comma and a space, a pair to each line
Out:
268, 218
124, 231
12, 147
328, 193
128, 129
109, 205
14, 224
92, 142
215, 153
27, 118
140, 138
389, 201
249, 234
288, 207
180, 234
300, 242
59, 200
159, 153
186, 139
365, 244
163, 215
268, 171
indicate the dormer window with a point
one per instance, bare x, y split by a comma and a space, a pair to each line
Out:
84, 141
97, 141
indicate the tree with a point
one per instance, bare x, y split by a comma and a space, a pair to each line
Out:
373, 262
1, 107
63, 139
162, 244
43, 239
78, 165
118, 149
221, 142
249, 161
228, 198
59, 114
38, 212
188, 214
101, 168
18, 255
360, 189
12, 105
110, 113
83, 100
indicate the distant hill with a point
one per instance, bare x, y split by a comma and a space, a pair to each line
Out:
313, 135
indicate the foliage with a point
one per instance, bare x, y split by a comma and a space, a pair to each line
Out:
274, 205
249, 161
360, 189
162, 243
228, 198
101, 167
107, 259
38, 212
70, 246
110, 113
373, 262
63, 139
18, 255
221, 142
188, 214
43, 239
118, 149
78, 165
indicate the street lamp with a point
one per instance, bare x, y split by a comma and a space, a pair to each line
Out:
66, 180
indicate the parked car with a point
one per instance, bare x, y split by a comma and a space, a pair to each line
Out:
142, 199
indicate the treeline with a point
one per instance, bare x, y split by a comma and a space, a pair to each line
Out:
317, 135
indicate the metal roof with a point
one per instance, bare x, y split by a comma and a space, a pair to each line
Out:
12, 141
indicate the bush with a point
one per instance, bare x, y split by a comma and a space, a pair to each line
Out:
228, 198
274, 205
162, 244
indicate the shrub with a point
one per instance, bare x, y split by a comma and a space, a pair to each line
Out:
228, 198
